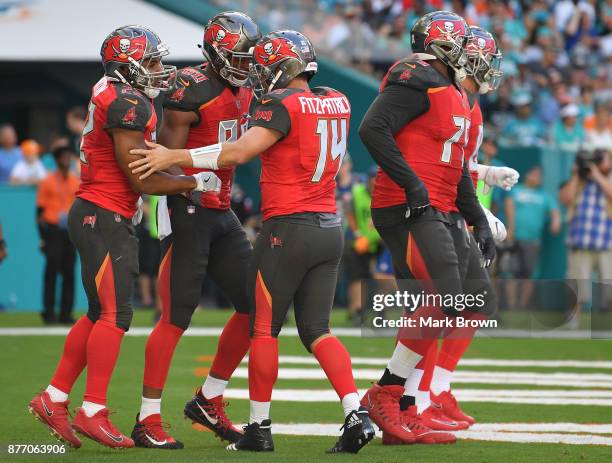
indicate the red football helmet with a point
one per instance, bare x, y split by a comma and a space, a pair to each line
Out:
133, 55
228, 39
484, 60
444, 35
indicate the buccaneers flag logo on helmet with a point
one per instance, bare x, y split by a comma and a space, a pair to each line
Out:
274, 50
122, 48
219, 37
446, 29
482, 45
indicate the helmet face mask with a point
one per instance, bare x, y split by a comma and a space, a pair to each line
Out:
484, 60
236, 68
261, 80
278, 58
133, 54
228, 39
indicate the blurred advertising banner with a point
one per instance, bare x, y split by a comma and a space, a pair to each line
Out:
73, 30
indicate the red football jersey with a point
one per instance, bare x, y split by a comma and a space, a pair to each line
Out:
298, 173
474, 140
432, 144
112, 105
222, 116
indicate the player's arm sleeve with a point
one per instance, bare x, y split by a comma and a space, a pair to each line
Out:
271, 114
129, 112
467, 201
392, 109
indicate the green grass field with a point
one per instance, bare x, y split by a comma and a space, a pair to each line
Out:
30, 361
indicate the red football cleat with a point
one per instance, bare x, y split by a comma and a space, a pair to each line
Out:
422, 434
448, 405
211, 414
151, 433
100, 429
55, 416
382, 403
434, 418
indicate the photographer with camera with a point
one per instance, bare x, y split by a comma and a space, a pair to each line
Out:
588, 198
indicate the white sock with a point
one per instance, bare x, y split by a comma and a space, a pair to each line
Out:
413, 381
441, 380
350, 402
422, 400
259, 411
403, 361
213, 387
91, 408
56, 395
149, 407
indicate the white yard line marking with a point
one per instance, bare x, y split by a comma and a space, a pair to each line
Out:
489, 432
476, 362
347, 332
464, 395
462, 376
545, 427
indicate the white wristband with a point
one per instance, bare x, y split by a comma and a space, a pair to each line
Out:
206, 157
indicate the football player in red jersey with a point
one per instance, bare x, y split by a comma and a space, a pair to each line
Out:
301, 134
121, 117
208, 105
432, 376
416, 130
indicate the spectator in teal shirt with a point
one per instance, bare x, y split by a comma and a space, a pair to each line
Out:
523, 129
528, 210
567, 137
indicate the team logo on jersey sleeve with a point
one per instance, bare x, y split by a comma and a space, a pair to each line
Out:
263, 115
406, 75
178, 95
218, 36
123, 48
274, 50
130, 116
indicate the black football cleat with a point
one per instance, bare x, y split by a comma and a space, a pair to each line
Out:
358, 431
151, 433
256, 438
211, 414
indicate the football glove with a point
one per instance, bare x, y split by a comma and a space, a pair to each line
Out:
502, 177
485, 241
498, 229
417, 200
207, 181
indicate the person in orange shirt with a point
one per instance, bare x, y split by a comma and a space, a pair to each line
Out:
56, 193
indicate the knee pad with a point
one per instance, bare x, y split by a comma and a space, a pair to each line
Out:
123, 319
180, 317
309, 334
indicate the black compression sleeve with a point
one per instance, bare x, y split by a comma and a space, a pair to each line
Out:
467, 201
392, 109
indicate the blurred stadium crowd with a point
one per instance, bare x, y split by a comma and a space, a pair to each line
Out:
556, 95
